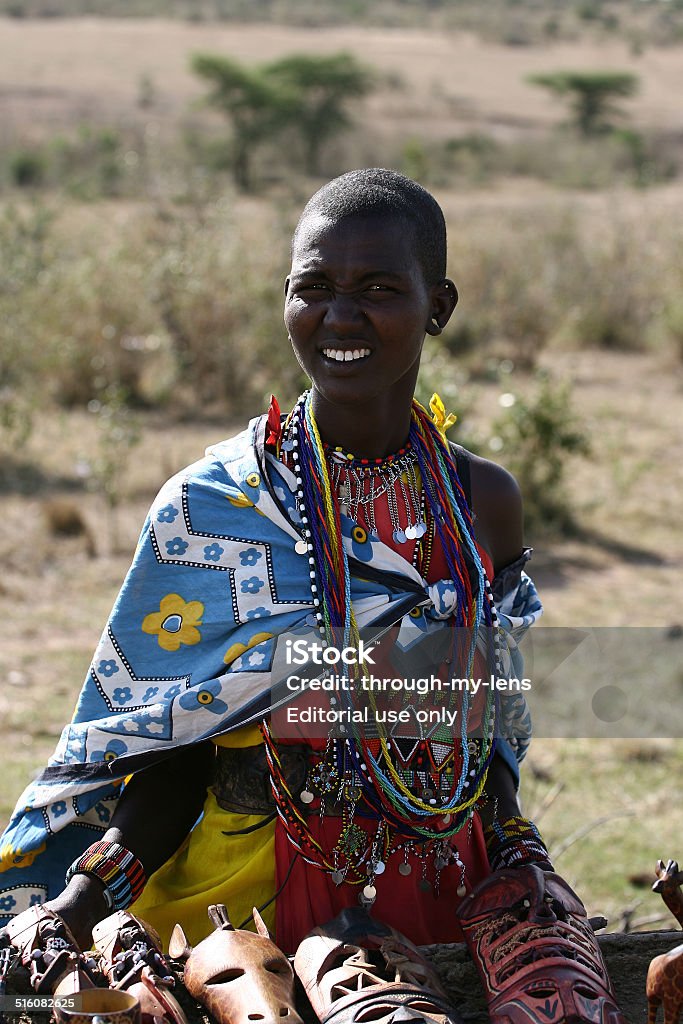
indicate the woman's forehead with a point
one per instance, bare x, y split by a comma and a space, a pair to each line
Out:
385, 240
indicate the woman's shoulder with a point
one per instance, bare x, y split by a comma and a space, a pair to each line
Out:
225, 464
496, 503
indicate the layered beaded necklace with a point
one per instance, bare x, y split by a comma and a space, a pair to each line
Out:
358, 772
361, 483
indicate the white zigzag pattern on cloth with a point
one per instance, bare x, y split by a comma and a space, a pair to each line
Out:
252, 585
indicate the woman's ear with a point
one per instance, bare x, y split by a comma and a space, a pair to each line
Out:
444, 297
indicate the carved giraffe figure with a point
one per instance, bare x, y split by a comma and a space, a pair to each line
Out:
665, 973
668, 885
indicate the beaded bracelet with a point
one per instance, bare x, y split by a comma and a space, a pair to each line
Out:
120, 870
513, 842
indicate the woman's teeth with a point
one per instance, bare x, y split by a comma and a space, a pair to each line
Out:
346, 356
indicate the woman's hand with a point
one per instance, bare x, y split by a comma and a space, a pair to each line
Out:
155, 813
81, 905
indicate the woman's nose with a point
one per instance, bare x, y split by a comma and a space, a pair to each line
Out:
342, 311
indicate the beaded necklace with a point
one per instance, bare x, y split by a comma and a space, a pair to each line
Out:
358, 771
361, 484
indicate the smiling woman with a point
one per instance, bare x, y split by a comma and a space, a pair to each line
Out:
368, 281
357, 310
350, 513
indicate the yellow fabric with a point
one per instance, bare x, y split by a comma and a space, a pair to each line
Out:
247, 736
199, 873
442, 422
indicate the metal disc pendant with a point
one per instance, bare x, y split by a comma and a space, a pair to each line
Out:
337, 877
301, 547
404, 869
369, 892
420, 530
399, 536
424, 884
410, 533
379, 867
306, 797
461, 891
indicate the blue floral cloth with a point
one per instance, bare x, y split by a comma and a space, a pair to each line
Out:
219, 573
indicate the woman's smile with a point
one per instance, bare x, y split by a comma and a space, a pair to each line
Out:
346, 355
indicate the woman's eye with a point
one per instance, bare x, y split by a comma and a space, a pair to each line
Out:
313, 287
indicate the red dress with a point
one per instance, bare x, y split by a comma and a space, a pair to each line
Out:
310, 897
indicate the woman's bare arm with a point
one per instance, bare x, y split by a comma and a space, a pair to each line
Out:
155, 813
499, 520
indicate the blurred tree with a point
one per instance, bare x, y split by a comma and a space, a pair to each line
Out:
256, 106
308, 95
322, 86
590, 93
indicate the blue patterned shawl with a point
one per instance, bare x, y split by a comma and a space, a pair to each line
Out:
188, 648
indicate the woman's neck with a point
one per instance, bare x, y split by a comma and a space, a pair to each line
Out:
368, 432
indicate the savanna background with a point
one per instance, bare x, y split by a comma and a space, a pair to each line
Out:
153, 159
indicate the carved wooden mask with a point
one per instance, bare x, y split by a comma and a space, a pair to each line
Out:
239, 976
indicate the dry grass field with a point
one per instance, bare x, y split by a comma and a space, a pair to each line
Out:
623, 565
53, 73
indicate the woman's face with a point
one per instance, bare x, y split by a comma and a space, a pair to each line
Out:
357, 308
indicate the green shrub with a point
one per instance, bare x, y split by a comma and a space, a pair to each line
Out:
473, 157
415, 160
570, 161
536, 437
27, 168
588, 10
559, 156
